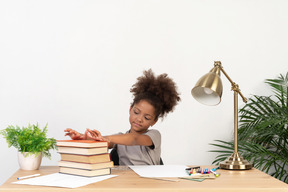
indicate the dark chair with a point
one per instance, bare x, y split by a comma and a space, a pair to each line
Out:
115, 158
161, 162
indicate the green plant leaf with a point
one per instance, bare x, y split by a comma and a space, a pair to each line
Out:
31, 139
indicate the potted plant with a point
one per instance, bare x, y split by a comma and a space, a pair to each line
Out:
263, 131
32, 143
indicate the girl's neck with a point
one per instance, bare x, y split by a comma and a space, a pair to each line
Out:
135, 132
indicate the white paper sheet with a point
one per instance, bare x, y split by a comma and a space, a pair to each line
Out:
160, 170
63, 180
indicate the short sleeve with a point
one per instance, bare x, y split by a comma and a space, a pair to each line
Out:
155, 137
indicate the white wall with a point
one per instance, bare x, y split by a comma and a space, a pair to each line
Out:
71, 63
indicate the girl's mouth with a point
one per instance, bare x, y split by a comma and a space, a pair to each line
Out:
137, 125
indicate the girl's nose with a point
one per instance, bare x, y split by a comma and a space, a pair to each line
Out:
139, 119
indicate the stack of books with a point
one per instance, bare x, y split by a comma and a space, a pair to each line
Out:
84, 157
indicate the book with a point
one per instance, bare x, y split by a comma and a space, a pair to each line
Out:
81, 143
83, 151
83, 172
100, 158
86, 165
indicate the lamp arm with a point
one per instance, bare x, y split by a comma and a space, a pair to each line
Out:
235, 87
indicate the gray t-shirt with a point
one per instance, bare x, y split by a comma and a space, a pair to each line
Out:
141, 155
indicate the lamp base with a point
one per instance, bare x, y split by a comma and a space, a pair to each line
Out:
235, 162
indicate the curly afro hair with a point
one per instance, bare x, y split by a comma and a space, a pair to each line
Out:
160, 92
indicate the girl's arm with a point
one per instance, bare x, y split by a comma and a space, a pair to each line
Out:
129, 139
123, 139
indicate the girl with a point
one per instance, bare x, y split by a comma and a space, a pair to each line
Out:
154, 97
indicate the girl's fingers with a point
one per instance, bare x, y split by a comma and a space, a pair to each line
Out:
68, 130
97, 133
94, 134
89, 135
88, 132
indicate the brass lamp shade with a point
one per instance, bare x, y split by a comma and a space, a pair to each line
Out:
208, 89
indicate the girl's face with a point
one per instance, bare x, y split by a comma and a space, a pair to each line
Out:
142, 116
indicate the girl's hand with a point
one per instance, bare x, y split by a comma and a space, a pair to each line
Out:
74, 134
94, 135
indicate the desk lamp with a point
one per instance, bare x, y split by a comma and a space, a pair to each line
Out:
208, 91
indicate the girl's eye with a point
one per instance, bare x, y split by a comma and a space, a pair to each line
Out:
147, 118
136, 112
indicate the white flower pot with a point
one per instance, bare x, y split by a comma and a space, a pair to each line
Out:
29, 161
